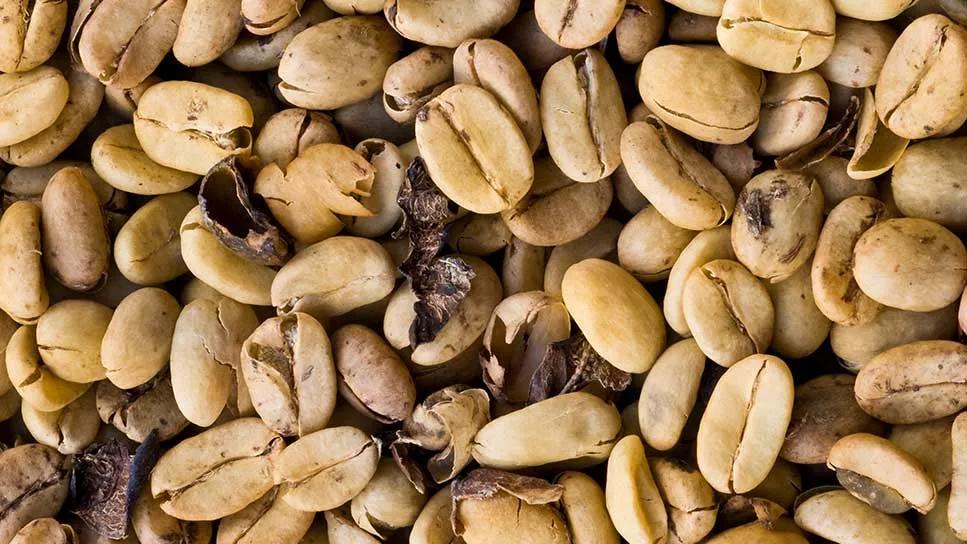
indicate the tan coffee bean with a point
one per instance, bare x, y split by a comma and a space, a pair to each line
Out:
218, 472
781, 531
858, 54
584, 507
794, 109
28, 183
536, 50
153, 526
625, 191
782, 486
785, 37
669, 393
117, 156
930, 443
877, 149
205, 353
882, 475
388, 502
712, 8
35, 484
433, 525
832, 175
289, 132
752, 401
576, 26
929, 54
354, 7
823, 412
958, 486
514, 441
448, 24
583, 116
913, 383
255, 91
836, 515
451, 131
31, 39
34, 381
292, 197
47, 530
21, 118
268, 519
264, 17
692, 27
464, 328
69, 338
522, 512
777, 221
124, 102
327, 468
416, 79
479, 235
882, 11
390, 164
346, 273
523, 267
137, 342
800, 327
557, 210
640, 28
191, 126
689, 500
288, 366
254, 53
634, 502
230, 274
139, 411
934, 528
495, 67
887, 264
317, 76
7, 328
599, 294
147, 249
70, 429
925, 185
75, 238
649, 245
682, 185
729, 311
121, 42
706, 247
702, 92
340, 529
372, 378
206, 30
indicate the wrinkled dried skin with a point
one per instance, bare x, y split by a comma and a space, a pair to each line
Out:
838, 516
268, 519
70, 429
632, 496
35, 485
910, 264
23, 294
153, 526
915, 382
325, 469
75, 238
702, 92
388, 502
882, 475
147, 249
139, 411
448, 24
583, 116
452, 132
682, 184
414, 80
118, 158
921, 88
21, 118
288, 366
514, 441
191, 126
669, 393
137, 342
28, 41
371, 375
824, 411
33, 380
794, 109
859, 52
777, 223
752, 401
925, 182
706, 247
288, 132
930, 443
218, 472
729, 311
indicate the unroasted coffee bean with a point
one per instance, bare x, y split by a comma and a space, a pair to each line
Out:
448, 24
21, 120
153, 526
388, 502
649, 245
268, 519
45, 530
35, 485
69, 336
372, 377
834, 514
930, 443
689, 500
31, 38
958, 487
634, 502
70, 429
147, 249
34, 381
118, 157
24, 295
137, 341
669, 393
584, 507
139, 411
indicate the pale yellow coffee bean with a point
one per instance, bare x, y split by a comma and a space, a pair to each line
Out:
669, 393
69, 338
859, 52
706, 247
633, 500
479, 234
206, 30
576, 26
880, 11
20, 116
702, 92
388, 502
690, 502
117, 157
33, 380
800, 327
70, 429
585, 427
433, 524
252, 53
263, 17
452, 131
794, 109
958, 487
268, 519
448, 24
930, 443
743, 427
618, 316
925, 182
147, 249
23, 295
889, 261
30, 39
153, 526
36, 481
137, 341
649, 245
836, 515
416, 79
711, 8
583, 504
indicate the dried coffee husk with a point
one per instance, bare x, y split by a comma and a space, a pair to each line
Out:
440, 283
825, 144
240, 223
106, 481
570, 365
877, 148
485, 483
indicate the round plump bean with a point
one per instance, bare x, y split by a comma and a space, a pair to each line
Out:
29, 40
794, 109
584, 507
147, 249
649, 245
35, 485
264, 17
70, 429
416, 79
601, 242
881, 11
20, 118
388, 502
836, 515
669, 393
448, 24
926, 182
634, 502
859, 52
137, 341
372, 378
23, 294
35, 382
800, 327
711, 8
117, 157
706, 247
69, 336
857, 344
931, 444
